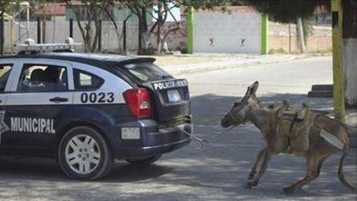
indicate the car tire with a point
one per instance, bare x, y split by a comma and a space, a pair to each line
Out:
84, 154
145, 161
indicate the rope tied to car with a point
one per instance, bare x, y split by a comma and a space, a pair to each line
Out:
199, 140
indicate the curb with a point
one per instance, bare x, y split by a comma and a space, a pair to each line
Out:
207, 67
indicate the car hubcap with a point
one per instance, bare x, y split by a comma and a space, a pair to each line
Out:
82, 154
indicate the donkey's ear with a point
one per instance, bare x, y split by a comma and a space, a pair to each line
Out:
254, 87
248, 92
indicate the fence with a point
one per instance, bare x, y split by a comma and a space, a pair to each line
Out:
57, 30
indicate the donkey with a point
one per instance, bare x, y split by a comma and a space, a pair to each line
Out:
324, 137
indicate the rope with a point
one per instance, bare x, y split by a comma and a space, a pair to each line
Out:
193, 137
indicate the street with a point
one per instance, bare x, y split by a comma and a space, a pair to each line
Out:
215, 172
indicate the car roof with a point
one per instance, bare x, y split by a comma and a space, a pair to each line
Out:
98, 60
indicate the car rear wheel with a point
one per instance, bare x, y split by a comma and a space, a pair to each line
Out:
84, 154
145, 161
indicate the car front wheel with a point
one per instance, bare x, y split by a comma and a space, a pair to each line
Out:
84, 154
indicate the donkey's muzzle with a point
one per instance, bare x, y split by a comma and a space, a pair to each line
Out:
225, 123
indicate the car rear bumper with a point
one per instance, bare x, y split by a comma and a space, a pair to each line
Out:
153, 140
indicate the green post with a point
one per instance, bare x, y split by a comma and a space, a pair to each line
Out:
338, 73
189, 24
264, 35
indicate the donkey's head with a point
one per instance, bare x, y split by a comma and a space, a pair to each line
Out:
238, 113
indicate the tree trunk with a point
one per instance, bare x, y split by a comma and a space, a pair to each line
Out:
143, 29
349, 50
2, 38
116, 27
300, 35
159, 21
44, 25
125, 50
140, 35
89, 35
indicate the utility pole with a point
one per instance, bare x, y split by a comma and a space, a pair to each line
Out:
189, 29
264, 46
344, 23
338, 74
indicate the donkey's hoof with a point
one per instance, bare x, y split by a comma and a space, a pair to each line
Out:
251, 184
289, 190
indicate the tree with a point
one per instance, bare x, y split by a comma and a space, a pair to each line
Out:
108, 10
4, 7
87, 14
287, 11
162, 9
140, 9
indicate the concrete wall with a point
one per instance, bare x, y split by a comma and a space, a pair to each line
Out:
236, 31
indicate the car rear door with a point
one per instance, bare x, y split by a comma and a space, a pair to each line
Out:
35, 100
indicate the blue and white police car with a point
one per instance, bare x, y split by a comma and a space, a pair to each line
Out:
86, 110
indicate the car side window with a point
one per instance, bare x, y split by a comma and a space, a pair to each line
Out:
86, 81
5, 70
42, 78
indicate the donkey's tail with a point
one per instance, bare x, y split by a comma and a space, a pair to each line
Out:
341, 175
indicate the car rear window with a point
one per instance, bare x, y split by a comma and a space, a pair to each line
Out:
5, 70
146, 72
86, 81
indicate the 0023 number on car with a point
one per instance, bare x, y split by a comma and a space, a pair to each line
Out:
100, 97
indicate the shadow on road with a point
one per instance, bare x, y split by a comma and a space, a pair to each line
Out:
40, 168
217, 172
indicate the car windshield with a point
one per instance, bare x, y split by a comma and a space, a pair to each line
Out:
146, 72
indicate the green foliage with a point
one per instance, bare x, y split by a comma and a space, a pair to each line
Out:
206, 4
286, 11
4, 5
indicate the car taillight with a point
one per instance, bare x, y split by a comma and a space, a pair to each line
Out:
139, 102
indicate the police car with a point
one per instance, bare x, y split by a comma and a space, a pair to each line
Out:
86, 110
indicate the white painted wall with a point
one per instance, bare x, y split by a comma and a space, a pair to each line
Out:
237, 31
350, 68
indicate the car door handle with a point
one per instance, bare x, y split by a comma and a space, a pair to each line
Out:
59, 99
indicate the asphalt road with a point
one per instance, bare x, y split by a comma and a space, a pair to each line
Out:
216, 172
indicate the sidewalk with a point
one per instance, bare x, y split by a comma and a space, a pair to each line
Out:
219, 62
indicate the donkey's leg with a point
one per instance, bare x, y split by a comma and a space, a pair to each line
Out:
259, 168
253, 171
313, 171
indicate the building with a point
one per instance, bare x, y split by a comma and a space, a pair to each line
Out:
240, 29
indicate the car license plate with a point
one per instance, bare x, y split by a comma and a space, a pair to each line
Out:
173, 96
